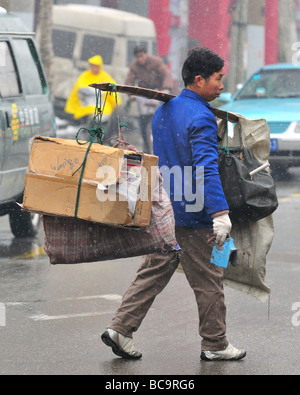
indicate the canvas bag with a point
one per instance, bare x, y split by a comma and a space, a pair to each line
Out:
250, 197
253, 240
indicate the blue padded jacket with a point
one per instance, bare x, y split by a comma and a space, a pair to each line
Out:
185, 140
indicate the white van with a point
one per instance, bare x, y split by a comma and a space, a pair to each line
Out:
82, 31
26, 110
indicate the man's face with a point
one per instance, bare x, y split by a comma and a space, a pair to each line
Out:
211, 88
95, 69
141, 58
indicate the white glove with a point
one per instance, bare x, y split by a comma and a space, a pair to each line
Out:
222, 227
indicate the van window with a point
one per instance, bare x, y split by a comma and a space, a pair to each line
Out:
33, 79
63, 43
96, 45
130, 48
154, 48
9, 81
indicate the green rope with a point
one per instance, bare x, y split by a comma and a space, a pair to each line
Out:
226, 149
112, 88
96, 135
82, 167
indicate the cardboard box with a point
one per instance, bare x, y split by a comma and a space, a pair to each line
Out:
52, 182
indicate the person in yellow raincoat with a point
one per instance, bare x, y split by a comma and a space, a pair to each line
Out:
82, 100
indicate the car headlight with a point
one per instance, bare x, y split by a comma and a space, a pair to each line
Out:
297, 127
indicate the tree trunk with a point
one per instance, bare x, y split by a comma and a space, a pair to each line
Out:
238, 39
287, 30
45, 34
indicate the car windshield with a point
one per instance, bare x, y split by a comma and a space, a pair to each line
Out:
272, 84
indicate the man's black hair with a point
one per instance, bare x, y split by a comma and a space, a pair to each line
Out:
139, 49
201, 61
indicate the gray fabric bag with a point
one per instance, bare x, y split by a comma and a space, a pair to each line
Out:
253, 241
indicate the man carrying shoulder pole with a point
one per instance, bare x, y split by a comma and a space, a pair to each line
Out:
185, 136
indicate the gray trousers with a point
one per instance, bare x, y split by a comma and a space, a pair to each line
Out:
205, 279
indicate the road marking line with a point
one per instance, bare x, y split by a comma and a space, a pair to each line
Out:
34, 253
45, 317
112, 297
290, 197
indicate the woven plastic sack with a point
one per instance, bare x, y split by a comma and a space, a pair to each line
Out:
72, 241
253, 240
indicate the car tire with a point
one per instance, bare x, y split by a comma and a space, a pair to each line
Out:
24, 224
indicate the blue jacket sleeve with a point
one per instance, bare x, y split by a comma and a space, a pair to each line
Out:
203, 132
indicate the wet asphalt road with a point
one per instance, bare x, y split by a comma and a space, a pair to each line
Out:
54, 315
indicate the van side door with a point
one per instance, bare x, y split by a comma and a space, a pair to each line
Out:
28, 110
2, 127
14, 146
38, 108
